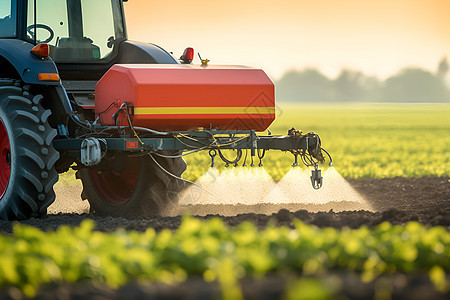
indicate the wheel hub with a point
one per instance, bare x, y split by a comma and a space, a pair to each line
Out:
5, 159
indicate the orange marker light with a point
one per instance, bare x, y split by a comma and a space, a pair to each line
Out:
48, 77
131, 145
41, 50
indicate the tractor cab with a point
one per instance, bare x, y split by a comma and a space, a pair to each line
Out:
77, 31
85, 37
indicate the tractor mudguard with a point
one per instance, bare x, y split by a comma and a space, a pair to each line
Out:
132, 52
27, 65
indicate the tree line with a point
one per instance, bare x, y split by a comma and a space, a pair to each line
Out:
408, 85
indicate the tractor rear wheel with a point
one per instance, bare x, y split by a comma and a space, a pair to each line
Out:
27, 156
141, 188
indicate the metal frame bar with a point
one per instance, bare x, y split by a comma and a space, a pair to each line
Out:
205, 140
177, 141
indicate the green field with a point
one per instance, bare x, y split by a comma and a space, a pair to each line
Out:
215, 252
365, 140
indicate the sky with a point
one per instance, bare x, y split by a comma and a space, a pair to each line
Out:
378, 37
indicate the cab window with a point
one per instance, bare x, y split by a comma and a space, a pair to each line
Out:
51, 21
8, 10
76, 30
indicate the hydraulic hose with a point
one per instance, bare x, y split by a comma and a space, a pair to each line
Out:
230, 162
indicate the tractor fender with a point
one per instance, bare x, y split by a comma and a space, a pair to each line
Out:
28, 66
132, 52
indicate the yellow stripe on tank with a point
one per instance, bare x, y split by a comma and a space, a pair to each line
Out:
203, 110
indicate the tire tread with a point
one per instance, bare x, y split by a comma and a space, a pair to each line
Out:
35, 174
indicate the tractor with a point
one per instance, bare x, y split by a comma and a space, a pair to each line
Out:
76, 93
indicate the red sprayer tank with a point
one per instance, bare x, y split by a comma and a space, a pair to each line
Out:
187, 97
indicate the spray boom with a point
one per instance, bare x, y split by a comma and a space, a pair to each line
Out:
307, 147
310, 153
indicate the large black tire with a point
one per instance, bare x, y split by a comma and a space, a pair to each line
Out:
141, 189
27, 155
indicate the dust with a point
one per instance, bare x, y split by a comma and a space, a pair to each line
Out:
68, 198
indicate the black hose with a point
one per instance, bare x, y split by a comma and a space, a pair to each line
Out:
331, 160
245, 159
263, 153
238, 157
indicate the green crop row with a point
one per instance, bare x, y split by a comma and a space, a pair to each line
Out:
216, 252
365, 140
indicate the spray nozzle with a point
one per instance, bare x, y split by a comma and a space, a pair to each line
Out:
213, 154
316, 179
261, 156
295, 164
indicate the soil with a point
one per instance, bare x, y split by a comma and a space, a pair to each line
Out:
396, 200
342, 285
